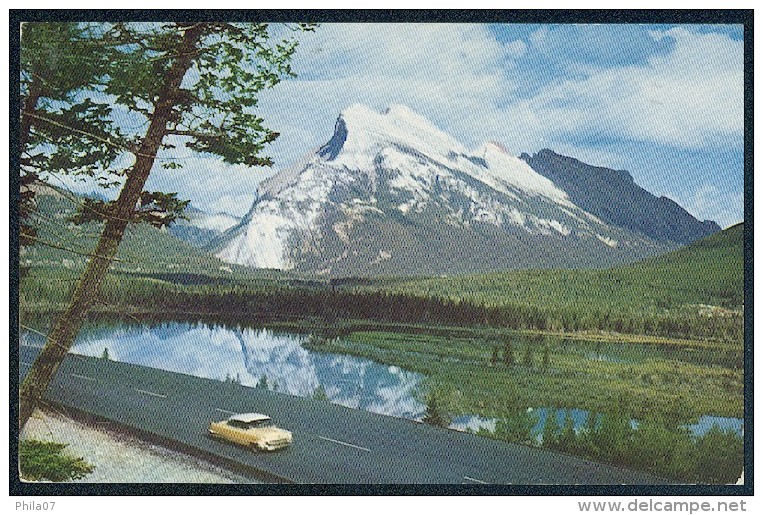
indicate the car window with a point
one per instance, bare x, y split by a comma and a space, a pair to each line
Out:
255, 423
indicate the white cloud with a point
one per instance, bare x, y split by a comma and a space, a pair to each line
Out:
212, 185
398, 50
516, 48
690, 97
453, 74
464, 80
710, 202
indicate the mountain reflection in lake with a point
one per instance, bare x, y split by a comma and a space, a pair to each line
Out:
258, 356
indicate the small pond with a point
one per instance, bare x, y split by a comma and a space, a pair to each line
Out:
476, 424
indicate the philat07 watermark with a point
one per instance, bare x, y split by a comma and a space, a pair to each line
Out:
35, 505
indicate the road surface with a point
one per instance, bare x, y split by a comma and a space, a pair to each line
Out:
332, 444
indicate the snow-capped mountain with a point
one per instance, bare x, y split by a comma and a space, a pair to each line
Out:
390, 193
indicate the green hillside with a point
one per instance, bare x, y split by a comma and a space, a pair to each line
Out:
701, 283
65, 244
709, 271
148, 258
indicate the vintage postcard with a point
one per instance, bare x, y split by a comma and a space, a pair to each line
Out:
477, 249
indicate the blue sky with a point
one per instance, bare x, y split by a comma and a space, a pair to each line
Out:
663, 102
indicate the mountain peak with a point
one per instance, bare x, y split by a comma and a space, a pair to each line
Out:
547, 152
360, 133
407, 115
494, 145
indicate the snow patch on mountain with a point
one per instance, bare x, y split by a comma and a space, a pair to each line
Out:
607, 241
367, 132
262, 245
555, 225
504, 171
264, 238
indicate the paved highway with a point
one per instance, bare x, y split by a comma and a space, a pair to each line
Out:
332, 444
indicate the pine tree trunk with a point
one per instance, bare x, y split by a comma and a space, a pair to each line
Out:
62, 336
29, 107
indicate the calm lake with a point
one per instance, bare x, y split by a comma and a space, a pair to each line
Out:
252, 357
276, 360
